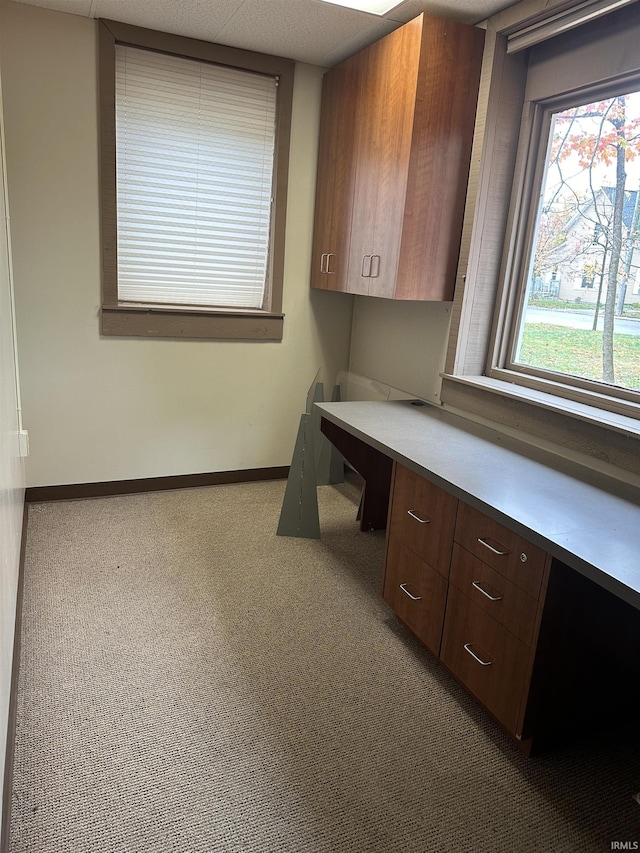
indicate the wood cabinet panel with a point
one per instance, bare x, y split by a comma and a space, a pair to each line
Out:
416, 592
382, 148
505, 551
334, 189
405, 128
503, 601
423, 517
443, 125
490, 662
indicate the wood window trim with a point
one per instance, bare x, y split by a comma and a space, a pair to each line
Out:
121, 319
480, 308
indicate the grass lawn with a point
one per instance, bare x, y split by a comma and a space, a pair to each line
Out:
579, 352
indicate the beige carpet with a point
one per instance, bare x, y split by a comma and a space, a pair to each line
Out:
191, 682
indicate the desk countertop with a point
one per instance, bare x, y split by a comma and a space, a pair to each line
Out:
586, 519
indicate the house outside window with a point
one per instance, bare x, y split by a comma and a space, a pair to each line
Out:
194, 158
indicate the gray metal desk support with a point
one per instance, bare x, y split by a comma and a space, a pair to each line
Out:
586, 519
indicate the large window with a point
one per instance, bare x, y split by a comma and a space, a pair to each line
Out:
194, 162
546, 323
578, 318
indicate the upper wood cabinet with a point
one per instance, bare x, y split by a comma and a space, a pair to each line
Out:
333, 191
395, 143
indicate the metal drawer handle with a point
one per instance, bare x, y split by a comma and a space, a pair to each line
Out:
476, 584
403, 587
375, 265
417, 517
491, 548
323, 258
366, 274
326, 269
475, 656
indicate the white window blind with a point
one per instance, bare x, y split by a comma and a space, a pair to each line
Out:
195, 156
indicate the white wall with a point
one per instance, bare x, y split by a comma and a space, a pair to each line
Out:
11, 479
402, 344
116, 408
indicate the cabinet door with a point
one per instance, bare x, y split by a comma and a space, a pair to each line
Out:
399, 60
366, 107
334, 186
383, 117
416, 593
443, 126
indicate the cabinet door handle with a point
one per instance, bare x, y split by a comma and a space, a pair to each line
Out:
403, 587
374, 266
366, 274
476, 584
326, 269
323, 258
491, 548
417, 517
475, 656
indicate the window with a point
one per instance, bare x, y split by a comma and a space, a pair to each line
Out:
584, 228
194, 161
551, 224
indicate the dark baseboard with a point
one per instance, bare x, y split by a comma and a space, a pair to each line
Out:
13, 696
151, 484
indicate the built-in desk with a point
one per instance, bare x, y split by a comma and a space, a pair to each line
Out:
585, 651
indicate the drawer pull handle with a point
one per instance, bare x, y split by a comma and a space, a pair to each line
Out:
403, 587
491, 548
475, 656
476, 584
417, 517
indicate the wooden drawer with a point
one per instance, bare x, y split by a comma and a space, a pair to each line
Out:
498, 672
508, 553
504, 601
423, 517
416, 592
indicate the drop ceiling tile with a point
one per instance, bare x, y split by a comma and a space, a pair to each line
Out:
200, 19
305, 30
468, 11
361, 40
74, 7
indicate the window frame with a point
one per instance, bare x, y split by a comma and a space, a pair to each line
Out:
501, 363
175, 321
526, 407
